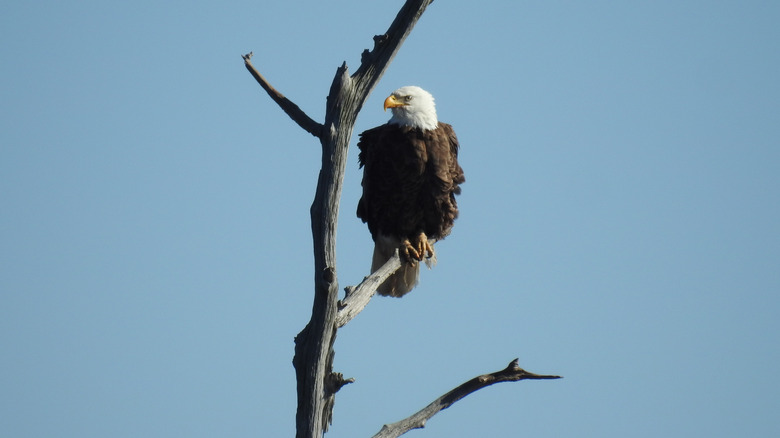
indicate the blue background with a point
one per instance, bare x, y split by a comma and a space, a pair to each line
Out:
619, 223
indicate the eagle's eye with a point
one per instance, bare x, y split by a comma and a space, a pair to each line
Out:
408, 98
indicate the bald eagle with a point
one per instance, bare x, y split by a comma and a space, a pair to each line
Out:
410, 178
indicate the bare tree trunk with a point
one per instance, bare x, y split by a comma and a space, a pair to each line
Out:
313, 360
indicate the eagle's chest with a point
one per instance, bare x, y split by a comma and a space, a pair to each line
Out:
402, 159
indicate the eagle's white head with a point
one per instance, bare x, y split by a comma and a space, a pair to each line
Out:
412, 106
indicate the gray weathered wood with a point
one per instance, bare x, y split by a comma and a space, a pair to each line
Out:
512, 373
357, 297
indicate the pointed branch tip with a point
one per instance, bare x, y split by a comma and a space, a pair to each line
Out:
512, 373
292, 110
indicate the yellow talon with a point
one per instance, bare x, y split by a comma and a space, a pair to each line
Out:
425, 249
409, 252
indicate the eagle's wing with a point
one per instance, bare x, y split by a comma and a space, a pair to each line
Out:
367, 139
445, 177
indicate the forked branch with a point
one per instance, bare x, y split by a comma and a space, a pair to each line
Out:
512, 373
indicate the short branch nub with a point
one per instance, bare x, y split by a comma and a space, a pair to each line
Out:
335, 381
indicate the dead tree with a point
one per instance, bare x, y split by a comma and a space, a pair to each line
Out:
313, 360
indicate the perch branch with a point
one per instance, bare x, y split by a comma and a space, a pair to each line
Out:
292, 110
511, 373
357, 297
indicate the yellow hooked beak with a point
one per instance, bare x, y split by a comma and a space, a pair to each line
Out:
393, 102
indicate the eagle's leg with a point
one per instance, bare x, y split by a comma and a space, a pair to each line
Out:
418, 250
424, 247
409, 252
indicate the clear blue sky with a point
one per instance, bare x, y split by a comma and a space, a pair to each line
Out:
620, 223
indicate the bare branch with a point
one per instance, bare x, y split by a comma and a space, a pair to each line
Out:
357, 297
511, 373
387, 44
292, 110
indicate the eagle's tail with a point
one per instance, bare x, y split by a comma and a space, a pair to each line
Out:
404, 279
